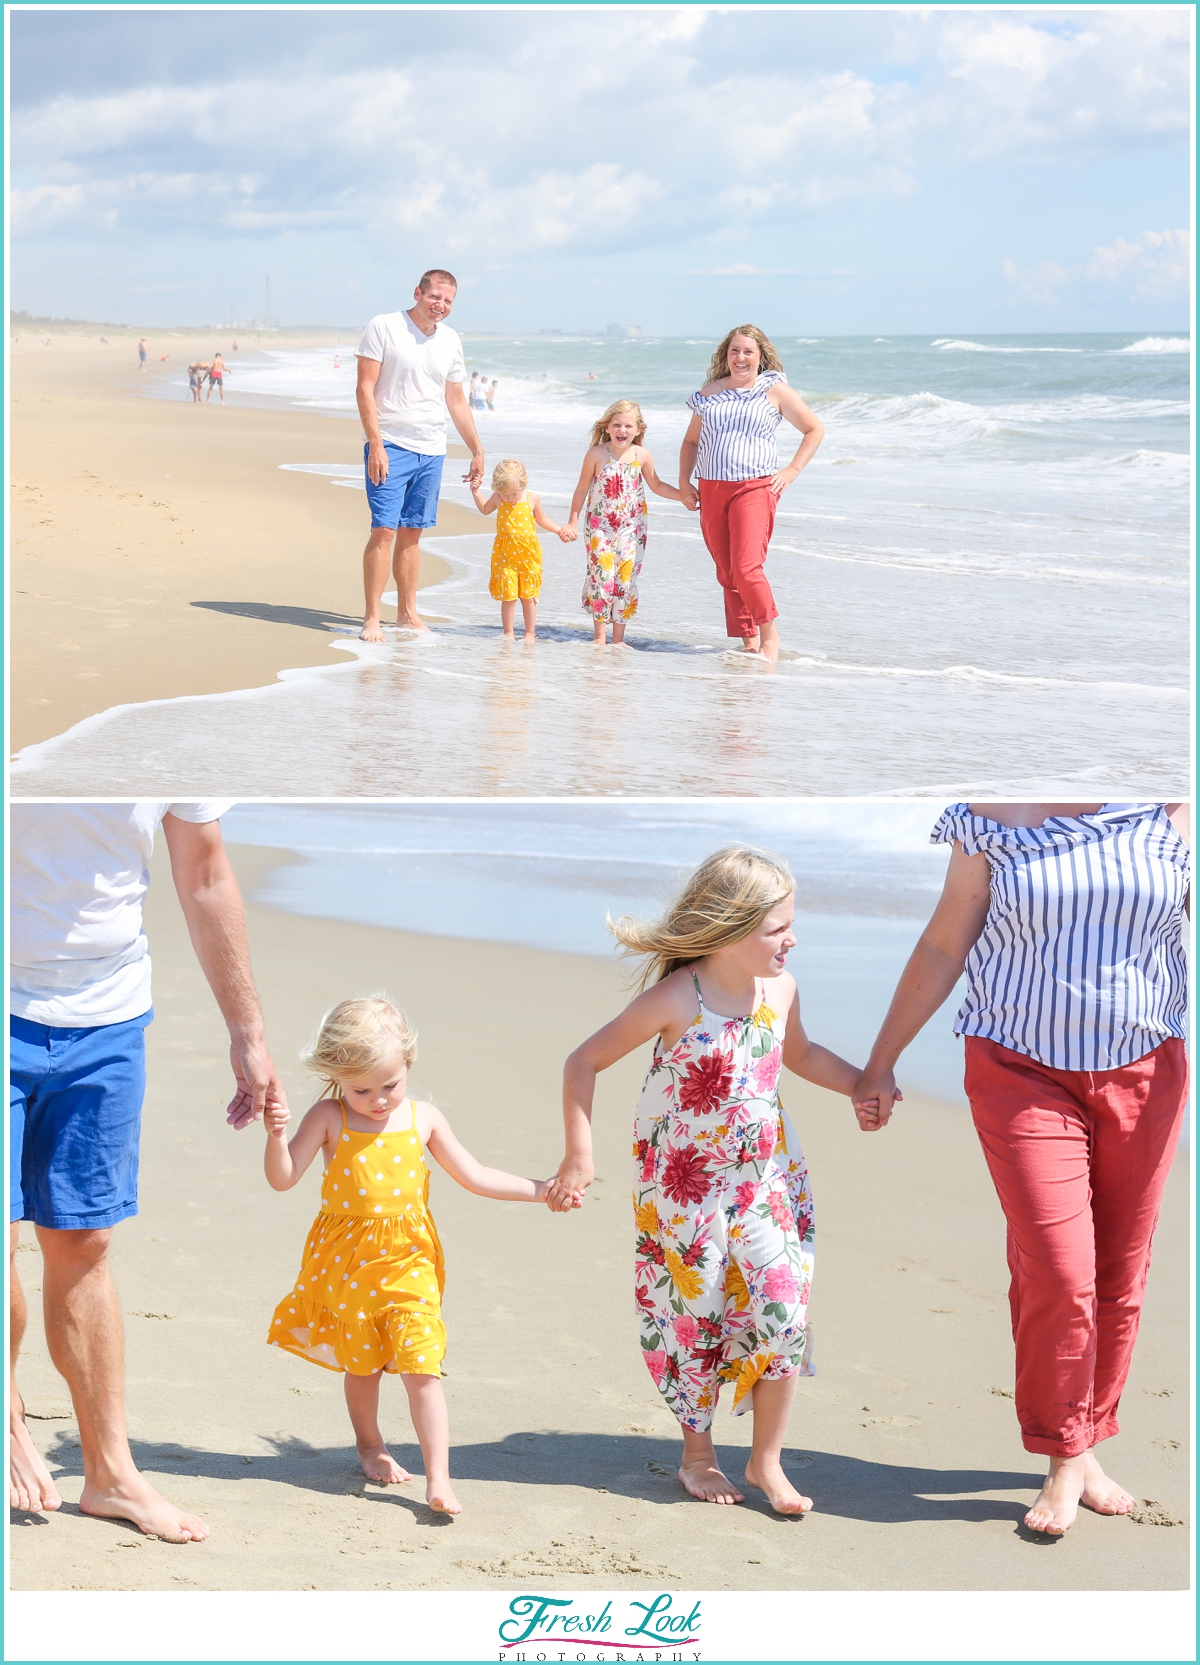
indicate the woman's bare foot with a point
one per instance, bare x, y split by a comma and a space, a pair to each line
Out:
780, 1493
371, 631
768, 641
135, 1500
531, 636
379, 1465
1100, 1493
441, 1499
30, 1487
1057, 1503
702, 1477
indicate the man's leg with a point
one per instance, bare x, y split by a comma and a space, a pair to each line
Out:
29, 1484
377, 558
406, 569
83, 1329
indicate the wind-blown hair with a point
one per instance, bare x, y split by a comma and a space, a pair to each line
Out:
769, 360
600, 429
730, 893
356, 1037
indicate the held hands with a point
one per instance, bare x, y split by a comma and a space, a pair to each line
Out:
255, 1081
474, 475
570, 532
569, 1184
873, 1096
276, 1116
574, 1199
690, 497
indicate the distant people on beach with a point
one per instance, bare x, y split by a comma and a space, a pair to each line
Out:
217, 372
724, 1247
368, 1298
516, 573
616, 471
410, 373
197, 373
473, 390
235, 346
730, 444
80, 1003
337, 364
491, 395
1069, 921
142, 353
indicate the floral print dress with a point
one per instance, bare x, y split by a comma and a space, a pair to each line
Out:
724, 1216
615, 525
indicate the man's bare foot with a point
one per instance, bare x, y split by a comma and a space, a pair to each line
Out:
1058, 1501
412, 621
370, 631
30, 1487
441, 1499
379, 1465
703, 1479
780, 1493
1100, 1493
135, 1500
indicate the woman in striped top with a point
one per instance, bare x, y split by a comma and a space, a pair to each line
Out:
731, 445
1068, 920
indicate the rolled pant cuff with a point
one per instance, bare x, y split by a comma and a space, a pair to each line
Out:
1058, 1448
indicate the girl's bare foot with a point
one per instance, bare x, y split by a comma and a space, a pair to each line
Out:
530, 636
379, 1465
703, 1479
135, 1500
783, 1497
441, 1499
1058, 1501
1100, 1493
30, 1487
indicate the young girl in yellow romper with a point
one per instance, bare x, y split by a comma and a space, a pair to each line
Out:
367, 1298
516, 553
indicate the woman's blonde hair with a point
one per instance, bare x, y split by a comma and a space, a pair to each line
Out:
509, 475
730, 893
600, 429
769, 359
358, 1036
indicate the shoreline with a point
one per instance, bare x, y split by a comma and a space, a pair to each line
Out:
155, 555
562, 1452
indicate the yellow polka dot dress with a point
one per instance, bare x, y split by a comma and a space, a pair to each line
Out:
368, 1296
516, 555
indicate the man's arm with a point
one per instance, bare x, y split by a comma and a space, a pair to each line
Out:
368, 375
212, 905
460, 415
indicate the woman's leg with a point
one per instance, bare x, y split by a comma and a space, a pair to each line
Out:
362, 1401
751, 522
772, 1407
427, 1405
715, 498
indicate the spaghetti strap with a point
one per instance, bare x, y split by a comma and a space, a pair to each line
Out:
696, 981
412, 1115
342, 1106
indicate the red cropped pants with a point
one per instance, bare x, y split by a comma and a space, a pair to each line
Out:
1079, 1159
736, 519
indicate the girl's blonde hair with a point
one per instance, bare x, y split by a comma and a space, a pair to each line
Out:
600, 429
730, 893
770, 360
509, 475
358, 1036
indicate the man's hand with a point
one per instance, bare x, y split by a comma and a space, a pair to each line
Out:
276, 1116
377, 463
474, 477
256, 1080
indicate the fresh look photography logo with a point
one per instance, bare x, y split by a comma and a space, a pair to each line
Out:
562, 1628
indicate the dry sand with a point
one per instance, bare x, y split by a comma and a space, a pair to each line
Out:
157, 549
564, 1457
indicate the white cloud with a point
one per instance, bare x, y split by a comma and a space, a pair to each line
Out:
1155, 268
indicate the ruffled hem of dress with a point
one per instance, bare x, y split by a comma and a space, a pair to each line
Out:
388, 1332
978, 833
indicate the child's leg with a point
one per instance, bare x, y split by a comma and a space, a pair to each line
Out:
529, 610
600, 630
508, 612
618, 631
700, 1473
772, 1406
362, 1401
427, 1405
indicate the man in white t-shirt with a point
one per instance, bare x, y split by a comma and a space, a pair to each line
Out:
80, 1003
410, 373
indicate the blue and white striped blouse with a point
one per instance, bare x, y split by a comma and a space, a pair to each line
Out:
1080, 963
737, 431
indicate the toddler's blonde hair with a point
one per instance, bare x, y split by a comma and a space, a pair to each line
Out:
509, 475
357, 1036
730, 893
600, 429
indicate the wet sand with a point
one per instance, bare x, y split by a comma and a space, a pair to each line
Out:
157, 548
563, 1456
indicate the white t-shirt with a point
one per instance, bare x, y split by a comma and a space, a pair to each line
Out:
79, 873
410, 394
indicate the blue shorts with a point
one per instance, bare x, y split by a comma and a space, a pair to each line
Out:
75, 1098
409, 495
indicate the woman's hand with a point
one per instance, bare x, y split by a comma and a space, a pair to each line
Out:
689, 497
781, 481
873, 1095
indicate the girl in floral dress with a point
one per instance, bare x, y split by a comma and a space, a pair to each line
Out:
616, 471
368, 1296
721, 1198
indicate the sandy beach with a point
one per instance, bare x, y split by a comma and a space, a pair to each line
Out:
563, 1456
157, 548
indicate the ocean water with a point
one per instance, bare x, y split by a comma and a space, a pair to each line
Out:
983, 583
546, 876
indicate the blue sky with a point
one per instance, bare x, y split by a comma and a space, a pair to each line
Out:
824, 171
